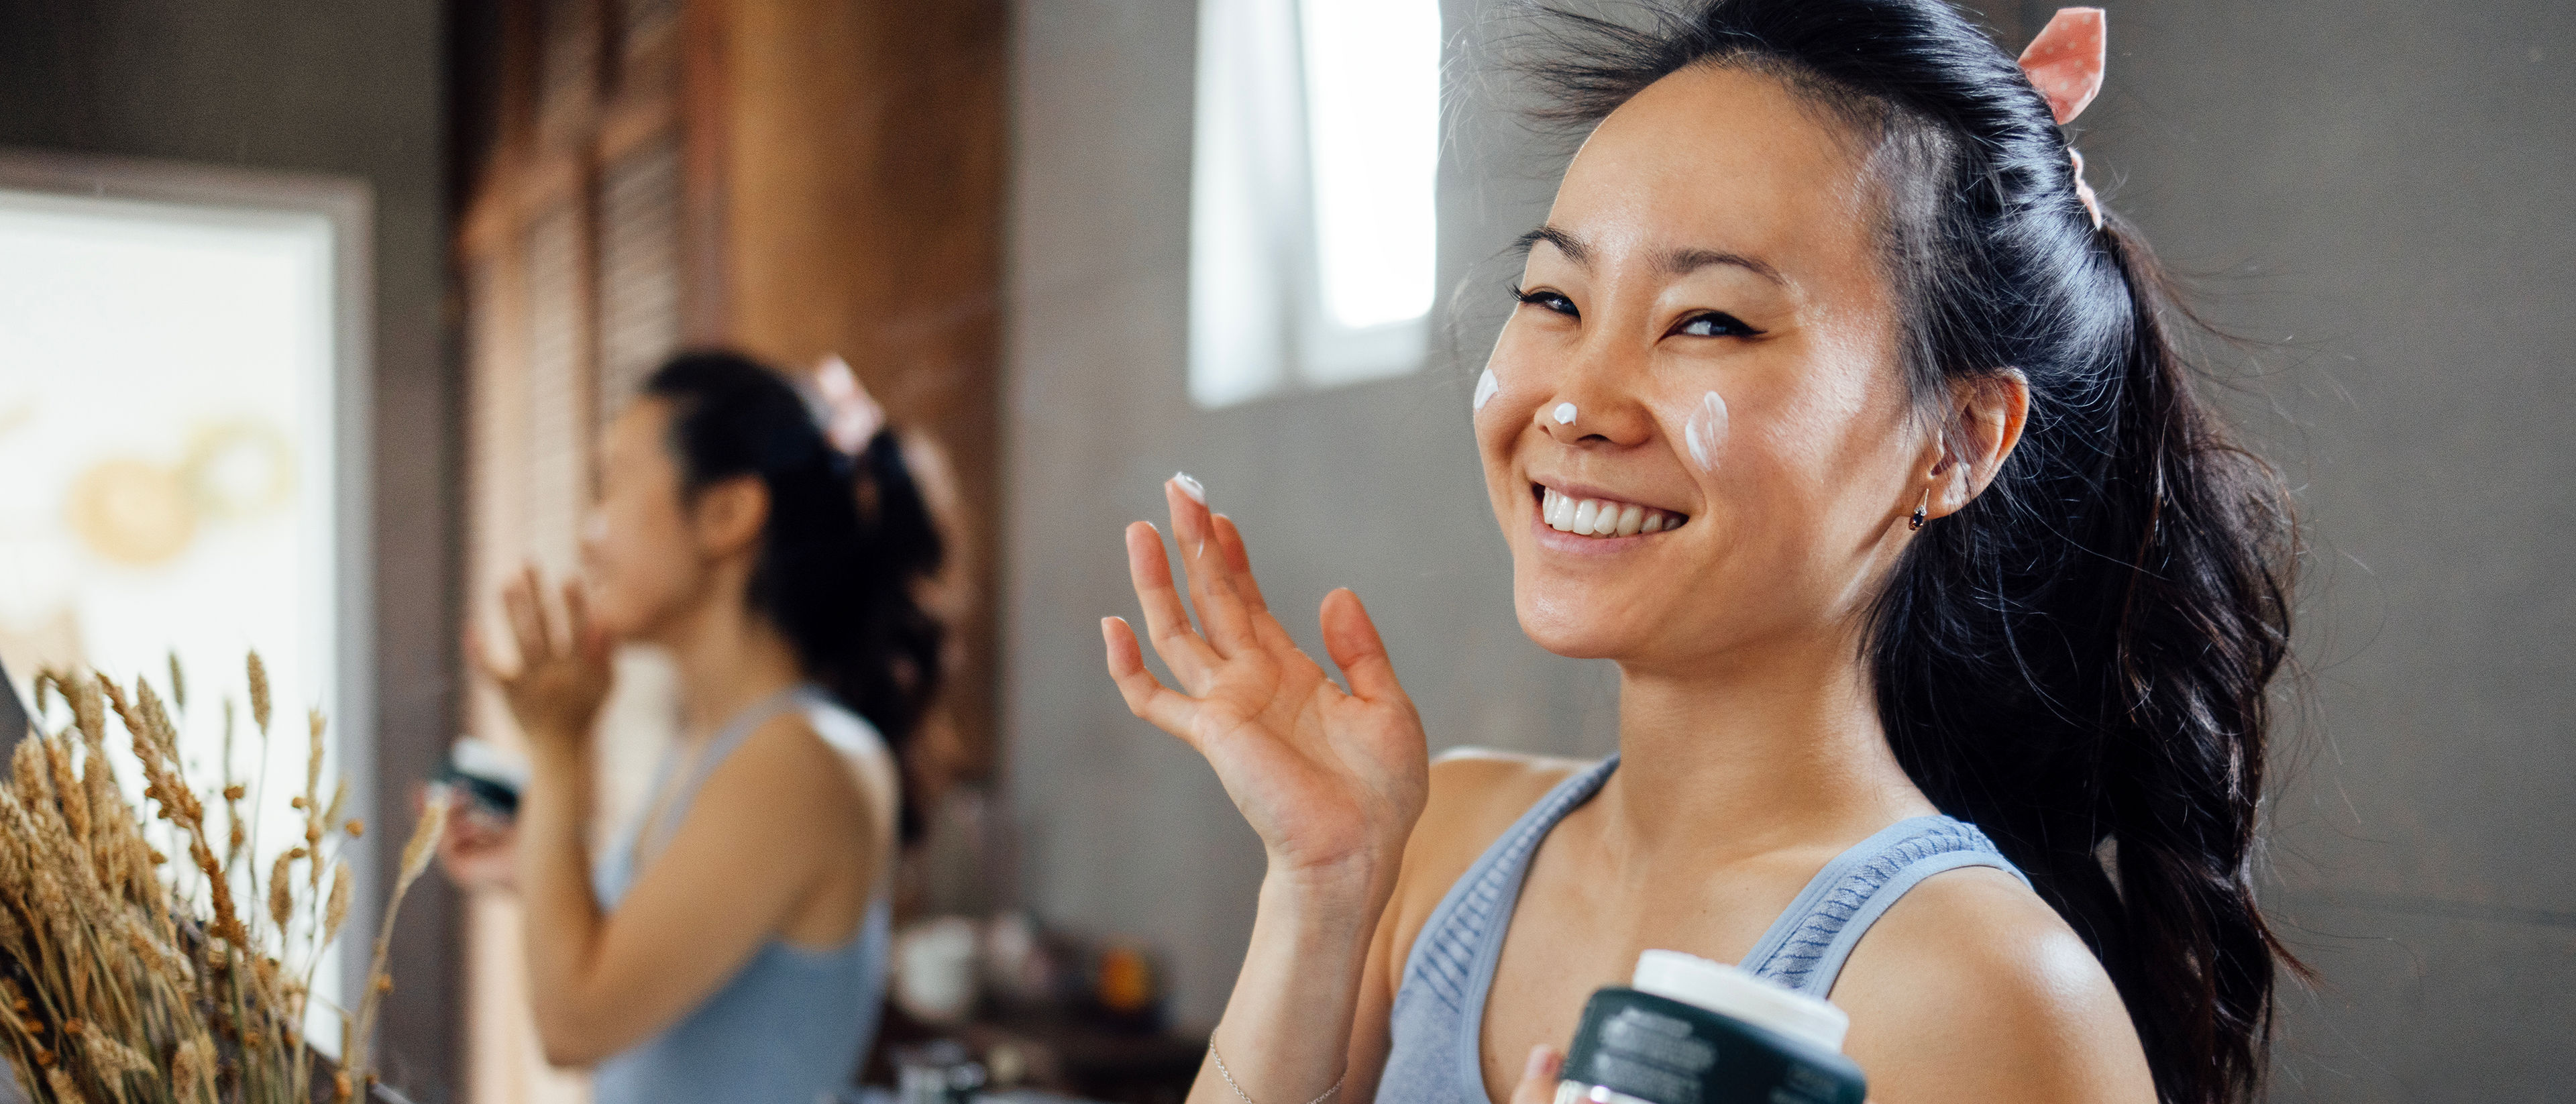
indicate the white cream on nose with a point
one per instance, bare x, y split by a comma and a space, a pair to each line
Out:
1564, 413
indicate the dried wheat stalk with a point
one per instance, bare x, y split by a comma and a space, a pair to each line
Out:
116, 985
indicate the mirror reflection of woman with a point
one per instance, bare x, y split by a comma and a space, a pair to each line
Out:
1834, 414
731, 945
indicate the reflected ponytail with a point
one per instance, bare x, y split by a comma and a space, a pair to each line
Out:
2078, 661
847, 546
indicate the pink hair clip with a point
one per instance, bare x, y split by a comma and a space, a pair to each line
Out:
2065, 63
850, 416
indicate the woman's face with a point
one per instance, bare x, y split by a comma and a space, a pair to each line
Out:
639, 554
1705, 334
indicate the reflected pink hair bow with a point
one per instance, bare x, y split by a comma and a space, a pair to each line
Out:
850, 416
2065, 63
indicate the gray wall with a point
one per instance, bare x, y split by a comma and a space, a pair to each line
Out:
2378, 190
352, 90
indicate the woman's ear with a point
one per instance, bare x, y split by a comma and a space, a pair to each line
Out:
729, 514
1978, 431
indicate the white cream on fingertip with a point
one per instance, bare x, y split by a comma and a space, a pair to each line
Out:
1191, 487
1486, 387
1705, 431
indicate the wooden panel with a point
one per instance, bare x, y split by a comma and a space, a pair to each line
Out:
558, 392
863, 155
568, 67
704, 98
639, 270
495, 432
640, 20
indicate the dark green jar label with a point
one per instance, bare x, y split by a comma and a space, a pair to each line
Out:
1638, 1048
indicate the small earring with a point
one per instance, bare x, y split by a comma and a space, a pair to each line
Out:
1920, 508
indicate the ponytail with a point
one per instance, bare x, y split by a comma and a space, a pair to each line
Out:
2079, 663
848, 544
2078, 660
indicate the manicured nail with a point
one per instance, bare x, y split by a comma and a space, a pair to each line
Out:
1191, 487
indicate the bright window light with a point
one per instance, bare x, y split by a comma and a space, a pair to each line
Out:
1244, 195
1313, 226
1373, 123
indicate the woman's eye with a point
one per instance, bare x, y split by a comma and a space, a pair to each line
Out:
1548, 300
1715, 324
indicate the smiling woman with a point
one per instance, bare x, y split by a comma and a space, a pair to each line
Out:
1838, 414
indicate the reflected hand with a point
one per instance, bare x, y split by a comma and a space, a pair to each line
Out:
560, 679
479, 850
1332, 780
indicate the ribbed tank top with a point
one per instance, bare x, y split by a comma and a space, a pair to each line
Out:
1437, 1023
790, 1027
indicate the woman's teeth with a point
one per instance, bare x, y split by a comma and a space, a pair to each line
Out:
1601, 517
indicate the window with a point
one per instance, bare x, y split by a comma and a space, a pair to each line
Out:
1312, 214
172, 436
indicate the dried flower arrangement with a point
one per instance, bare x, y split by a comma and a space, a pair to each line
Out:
126, 977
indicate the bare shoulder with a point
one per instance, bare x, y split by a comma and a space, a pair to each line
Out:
1973, 988
784, 773
1476, 793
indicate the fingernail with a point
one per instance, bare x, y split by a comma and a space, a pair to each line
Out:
1538, 1061
1191, 487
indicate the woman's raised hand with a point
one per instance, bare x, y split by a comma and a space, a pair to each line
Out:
561, 677
1333, 780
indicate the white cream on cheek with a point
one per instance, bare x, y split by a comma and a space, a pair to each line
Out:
1486, 387
1704, 432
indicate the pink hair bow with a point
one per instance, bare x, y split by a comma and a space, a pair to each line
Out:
2065, 63
850, 416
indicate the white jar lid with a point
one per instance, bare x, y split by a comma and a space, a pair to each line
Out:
1729, 991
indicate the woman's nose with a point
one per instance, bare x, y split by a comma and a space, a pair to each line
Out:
1581, 416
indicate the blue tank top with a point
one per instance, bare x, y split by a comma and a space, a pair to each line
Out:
1437, 1023
791, 1026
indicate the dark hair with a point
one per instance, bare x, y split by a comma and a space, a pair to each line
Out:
847, 542
2078, 661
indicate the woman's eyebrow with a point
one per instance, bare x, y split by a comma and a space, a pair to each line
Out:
1678, 262
1682, 262
1569, 245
